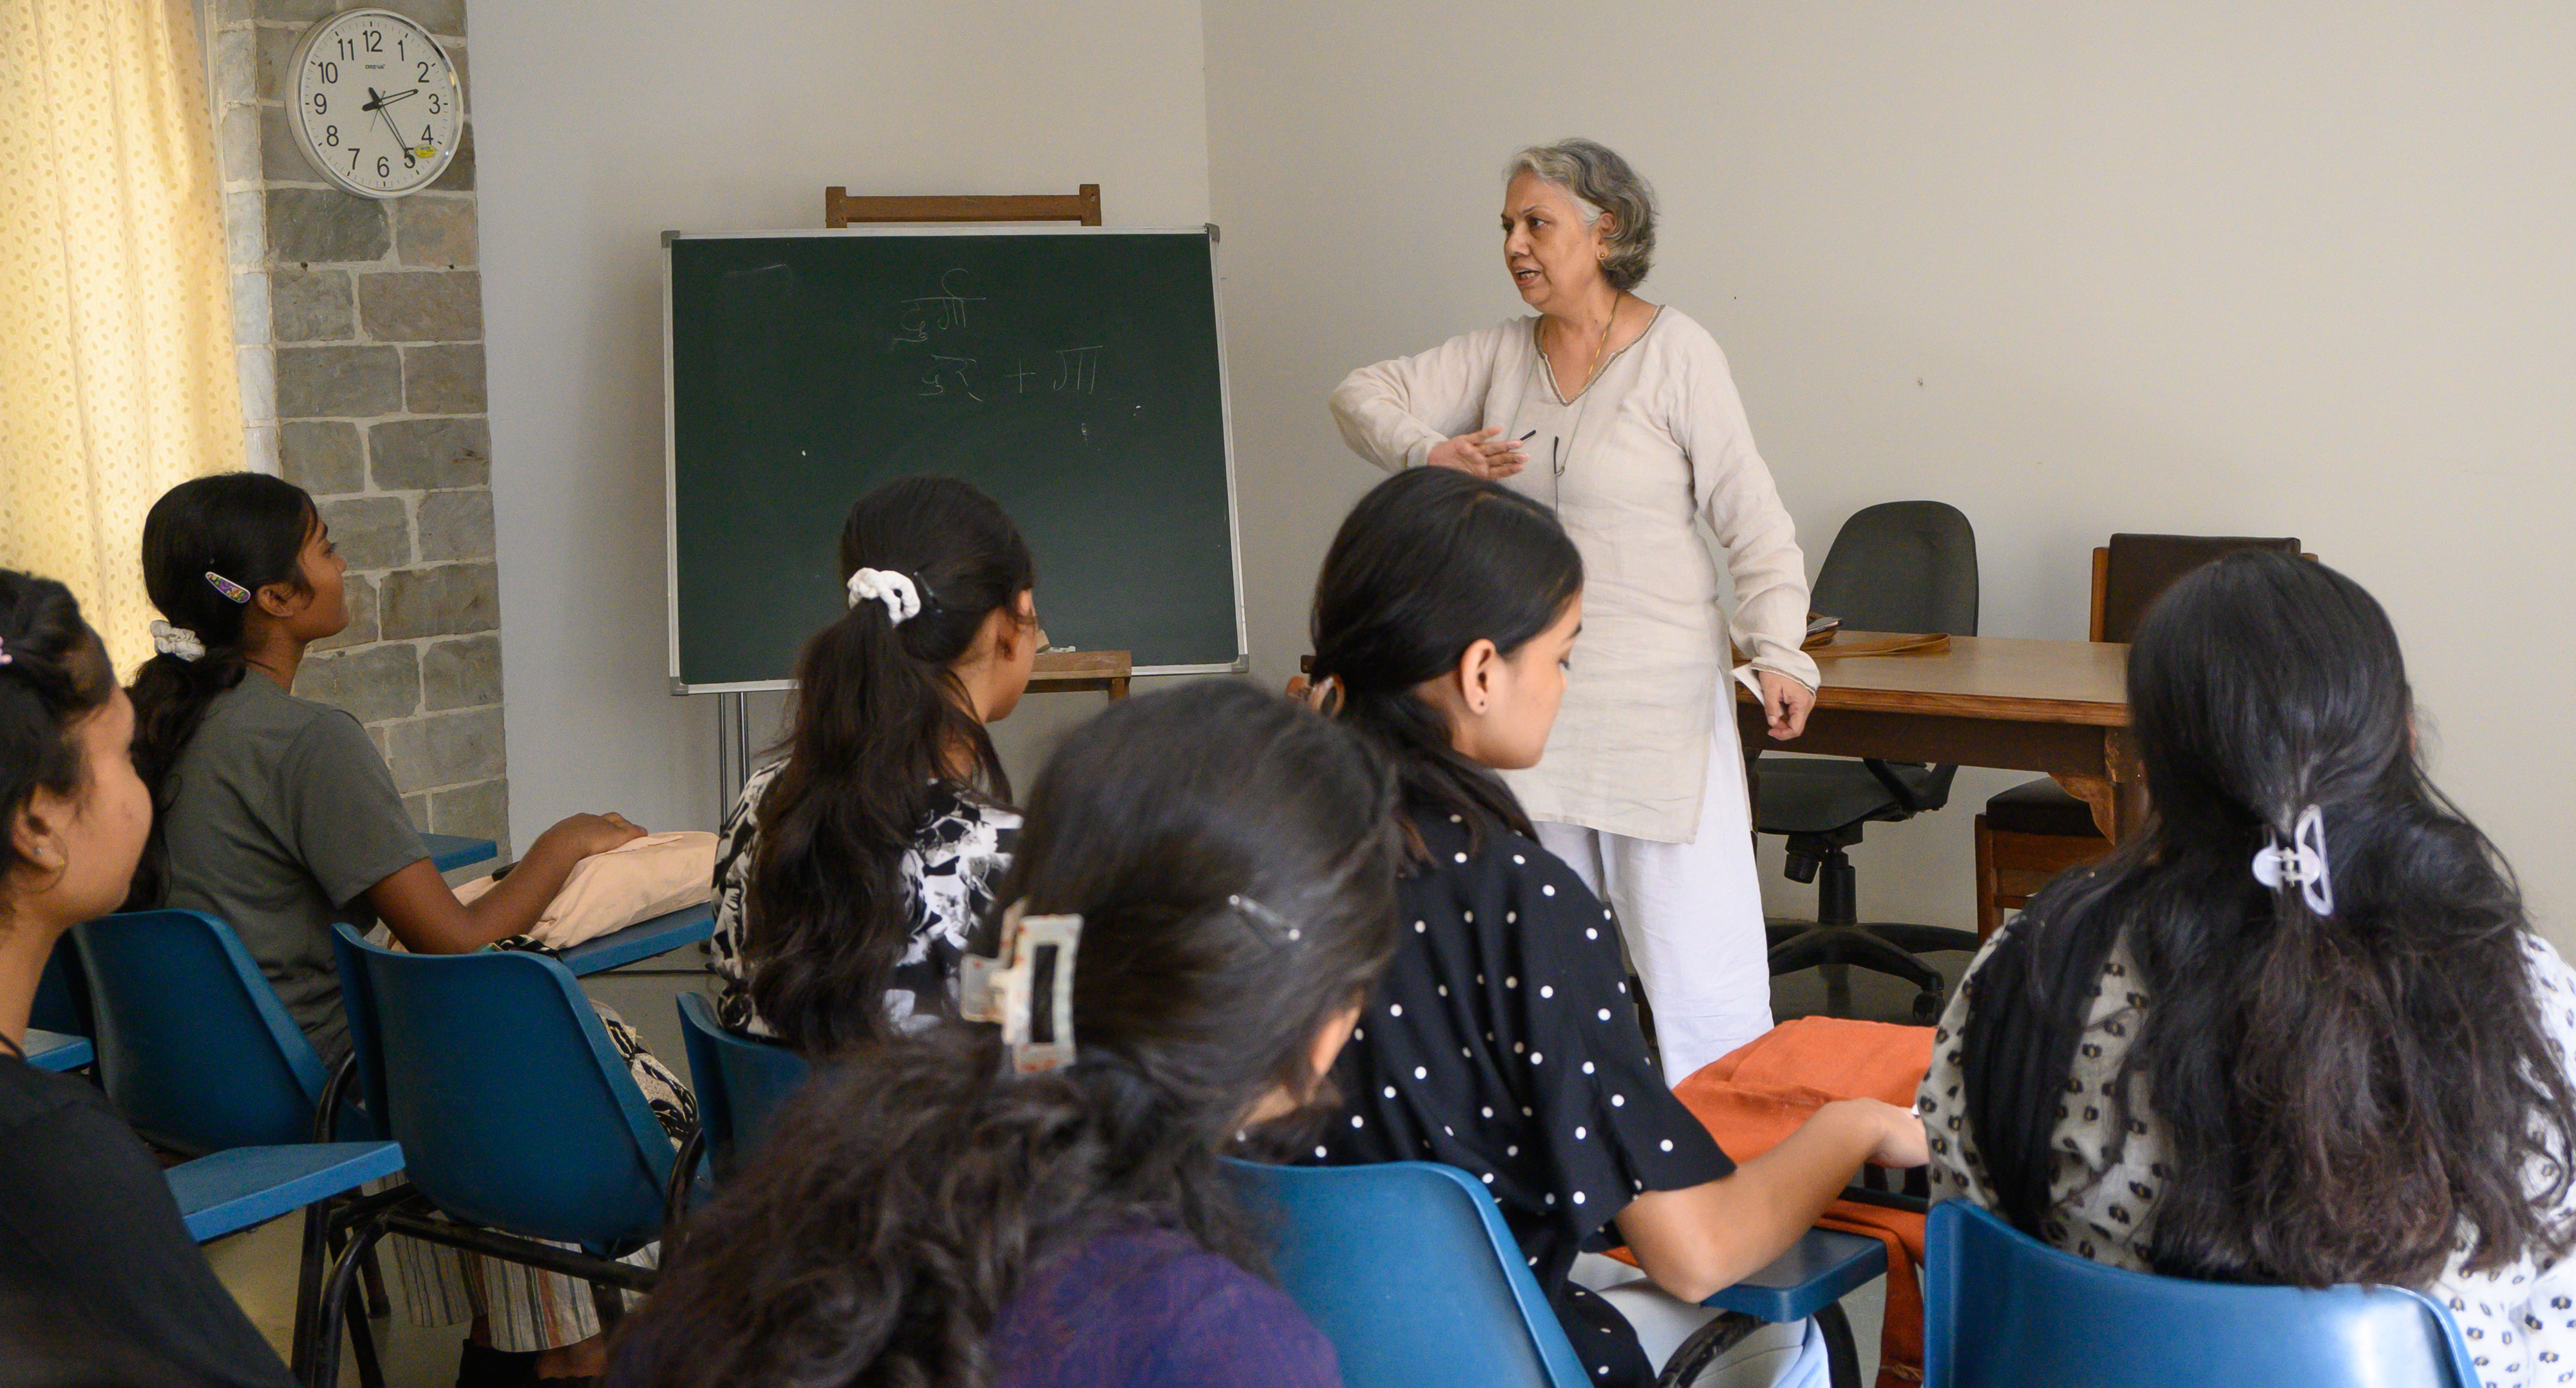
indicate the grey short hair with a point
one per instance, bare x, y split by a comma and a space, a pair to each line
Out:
1601, 181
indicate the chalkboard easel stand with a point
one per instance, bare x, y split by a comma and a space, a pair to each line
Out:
1062, 671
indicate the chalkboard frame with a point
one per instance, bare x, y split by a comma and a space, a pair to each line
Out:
670, 433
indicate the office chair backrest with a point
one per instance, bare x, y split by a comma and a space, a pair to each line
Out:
739, 1083
1902, 566
1408, 1269
194, 1047
2001, 1308
513, 1107
2137, 569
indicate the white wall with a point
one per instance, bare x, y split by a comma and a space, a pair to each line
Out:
597, 128
2200, 268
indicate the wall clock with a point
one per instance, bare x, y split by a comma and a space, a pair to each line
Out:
376, 103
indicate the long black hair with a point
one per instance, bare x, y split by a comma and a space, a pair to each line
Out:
1430, 562
906, 1192
2339, 1093
53, 674
881, 722
246, 529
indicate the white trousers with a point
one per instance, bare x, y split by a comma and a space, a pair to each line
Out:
1780, 1355
1691, 913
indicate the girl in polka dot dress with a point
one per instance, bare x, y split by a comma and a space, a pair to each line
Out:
1502, 1040
2299, 1031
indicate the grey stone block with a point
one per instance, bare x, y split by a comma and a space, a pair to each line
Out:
456, 525
416, 455
416, 808
256, 369
445, 379
276, 51
445, 749
299, 11
338, 382
324, 224
422, 305
245, 228
237, 143
362, 628
374, 684
234, 61
461, 674
311, 305
479, 811
250, 308
321, 457
435, 230
459, 177
280, 159
449, 600
373, 532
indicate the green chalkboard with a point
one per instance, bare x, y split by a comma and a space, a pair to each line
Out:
1075, 374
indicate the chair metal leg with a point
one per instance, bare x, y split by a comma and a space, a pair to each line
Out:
322, 1353
1842, 1357
378, 1303
308, 1282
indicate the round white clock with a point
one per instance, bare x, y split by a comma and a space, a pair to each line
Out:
376, 103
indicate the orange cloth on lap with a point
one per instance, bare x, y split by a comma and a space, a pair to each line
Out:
1754, 1096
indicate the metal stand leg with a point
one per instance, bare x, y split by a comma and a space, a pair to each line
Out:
1842, 1357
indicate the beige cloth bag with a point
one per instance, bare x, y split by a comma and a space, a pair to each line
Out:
651, 876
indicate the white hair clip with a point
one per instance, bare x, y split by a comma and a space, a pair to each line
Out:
2300, 863
1027, 987
896, 590
178, 641
1278, 929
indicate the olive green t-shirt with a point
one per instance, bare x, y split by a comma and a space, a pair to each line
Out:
276, 819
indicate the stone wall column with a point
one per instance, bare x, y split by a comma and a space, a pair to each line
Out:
360, 329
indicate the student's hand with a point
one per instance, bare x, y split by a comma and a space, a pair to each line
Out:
586, 834
1480, 454
1785, 704
1901, 1141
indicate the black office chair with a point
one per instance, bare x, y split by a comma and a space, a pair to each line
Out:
1901, 566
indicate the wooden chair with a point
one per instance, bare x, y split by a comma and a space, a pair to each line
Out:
2033, 832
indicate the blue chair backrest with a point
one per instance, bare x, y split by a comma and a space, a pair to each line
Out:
2002, 1308
1408, 1268
194, 1047
62, 995
739, 1083
514, 1109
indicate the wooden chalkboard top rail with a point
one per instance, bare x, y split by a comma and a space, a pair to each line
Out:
841, 210
1069, 670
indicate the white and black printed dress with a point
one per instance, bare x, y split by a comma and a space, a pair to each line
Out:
949, 874
2519, 1320
1502, 1041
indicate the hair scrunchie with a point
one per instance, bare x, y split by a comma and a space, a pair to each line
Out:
178, 641
897, 591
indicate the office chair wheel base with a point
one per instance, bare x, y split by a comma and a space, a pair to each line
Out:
1927, 1008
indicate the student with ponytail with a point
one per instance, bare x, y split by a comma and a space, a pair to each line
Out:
1503, 1040
2300, 1030
278, 816
99, 1281
926, 1212
853, 869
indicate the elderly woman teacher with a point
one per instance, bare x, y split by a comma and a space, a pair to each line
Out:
1621, 415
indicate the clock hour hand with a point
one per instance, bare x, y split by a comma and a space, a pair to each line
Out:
376, 104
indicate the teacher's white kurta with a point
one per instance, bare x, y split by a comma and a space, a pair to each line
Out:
1657, 442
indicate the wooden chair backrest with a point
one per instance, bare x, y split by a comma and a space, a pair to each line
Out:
2155, 562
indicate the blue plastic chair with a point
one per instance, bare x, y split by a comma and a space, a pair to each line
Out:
52, 1050
2002, 1308
62, 998
739, 1083
194, 1047
235, 1189
1408, 1268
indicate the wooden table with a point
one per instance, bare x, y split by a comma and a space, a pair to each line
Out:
2056, 707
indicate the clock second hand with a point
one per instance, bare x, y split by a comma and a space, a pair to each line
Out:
376, 104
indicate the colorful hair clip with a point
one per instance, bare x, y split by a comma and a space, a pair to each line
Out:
227, 587
1027, 987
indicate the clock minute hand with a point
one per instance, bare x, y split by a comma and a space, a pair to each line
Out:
376, 104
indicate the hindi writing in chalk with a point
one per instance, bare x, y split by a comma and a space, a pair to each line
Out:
960, 341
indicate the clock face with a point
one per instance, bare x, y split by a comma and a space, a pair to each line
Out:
376, 103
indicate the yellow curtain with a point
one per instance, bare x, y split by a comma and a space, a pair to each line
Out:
116, 351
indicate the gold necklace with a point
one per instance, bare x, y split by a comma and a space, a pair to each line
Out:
1601, 351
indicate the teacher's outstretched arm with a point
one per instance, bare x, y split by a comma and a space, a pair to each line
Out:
1399, 413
